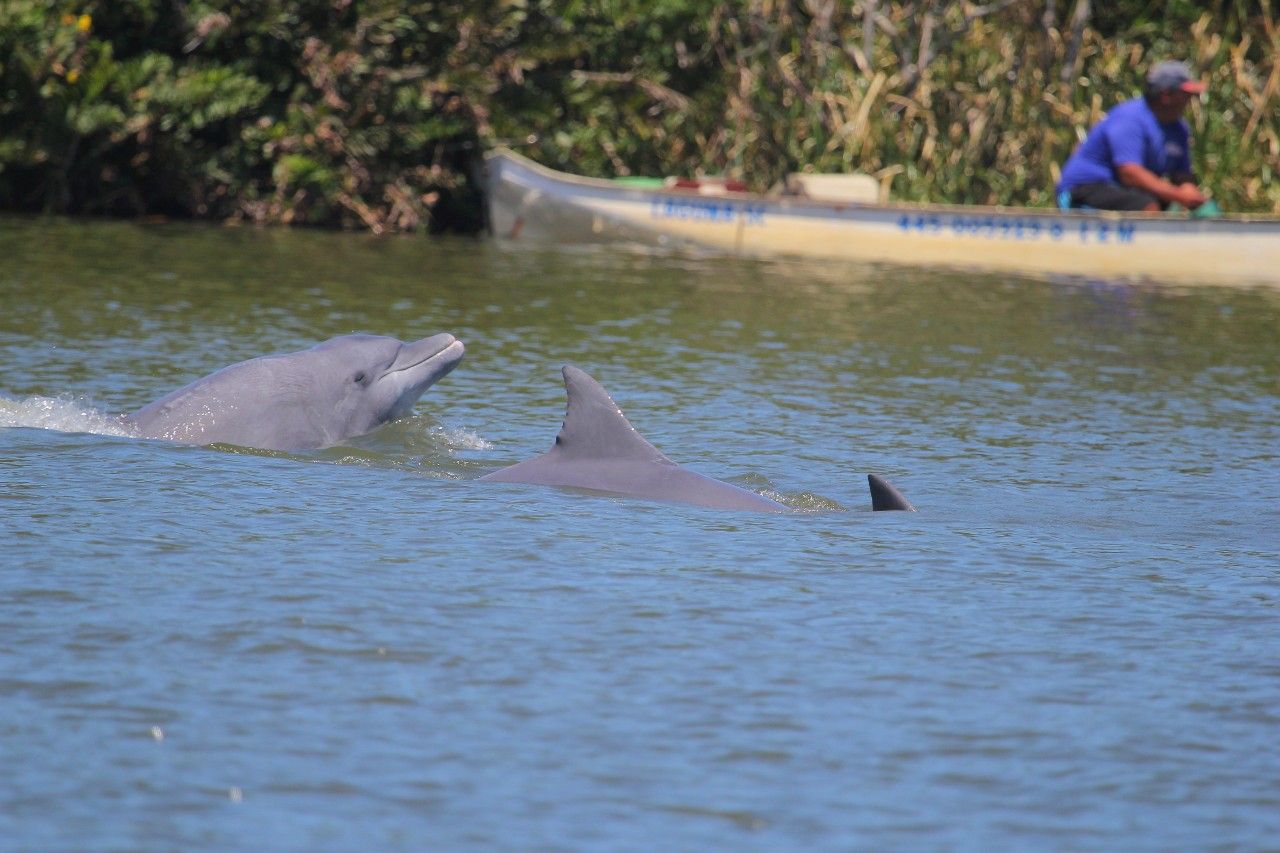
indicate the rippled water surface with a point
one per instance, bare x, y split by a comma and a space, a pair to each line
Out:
1075, 644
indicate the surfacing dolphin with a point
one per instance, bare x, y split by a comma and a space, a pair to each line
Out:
599, 449
340, 389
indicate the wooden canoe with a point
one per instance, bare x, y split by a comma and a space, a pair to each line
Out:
528, 202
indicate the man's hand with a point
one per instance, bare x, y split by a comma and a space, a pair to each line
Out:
1186, 194
1189, 196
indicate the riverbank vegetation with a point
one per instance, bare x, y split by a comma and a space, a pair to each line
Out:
372, 114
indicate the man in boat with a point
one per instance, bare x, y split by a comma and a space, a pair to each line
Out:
1139, 156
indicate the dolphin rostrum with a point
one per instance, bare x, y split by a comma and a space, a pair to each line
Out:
599, 449
340, 389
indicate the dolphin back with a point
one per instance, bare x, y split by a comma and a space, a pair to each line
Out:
598, 449
255, 403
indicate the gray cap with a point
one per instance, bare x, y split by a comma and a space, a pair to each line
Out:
1170, 75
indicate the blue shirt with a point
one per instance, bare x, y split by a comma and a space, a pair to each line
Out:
1130, 133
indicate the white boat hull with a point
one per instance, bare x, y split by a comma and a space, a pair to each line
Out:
531, 203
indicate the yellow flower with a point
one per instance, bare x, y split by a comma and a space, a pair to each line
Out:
83, 23
72, 76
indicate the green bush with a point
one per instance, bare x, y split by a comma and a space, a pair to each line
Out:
370, 113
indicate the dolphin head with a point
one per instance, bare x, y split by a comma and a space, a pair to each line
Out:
377, 379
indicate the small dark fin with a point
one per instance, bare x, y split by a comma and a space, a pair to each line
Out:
594, 427
885, 496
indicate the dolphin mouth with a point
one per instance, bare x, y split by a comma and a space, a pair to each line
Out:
443, 349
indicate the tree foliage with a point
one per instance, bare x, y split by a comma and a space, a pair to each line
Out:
370, 113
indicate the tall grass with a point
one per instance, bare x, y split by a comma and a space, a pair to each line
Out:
985, 112
369, 113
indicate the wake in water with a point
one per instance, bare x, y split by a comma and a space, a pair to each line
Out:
459, 439
419, 443
61, 414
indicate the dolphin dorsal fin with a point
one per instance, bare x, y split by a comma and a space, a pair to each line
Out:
595, 428
885, 497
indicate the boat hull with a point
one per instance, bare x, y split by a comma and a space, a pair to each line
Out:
531, 203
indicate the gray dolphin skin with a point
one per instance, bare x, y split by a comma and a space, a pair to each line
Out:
340, 389
599, 449
885, 497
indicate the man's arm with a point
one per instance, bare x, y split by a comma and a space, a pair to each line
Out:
1184, 192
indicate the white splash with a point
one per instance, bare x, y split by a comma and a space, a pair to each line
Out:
456, 438
62, 414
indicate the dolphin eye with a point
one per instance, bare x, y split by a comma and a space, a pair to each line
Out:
360, 378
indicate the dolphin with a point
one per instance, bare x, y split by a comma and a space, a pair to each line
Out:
599, 449
340, 389
885, 497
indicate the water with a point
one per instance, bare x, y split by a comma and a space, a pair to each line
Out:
1075, 644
